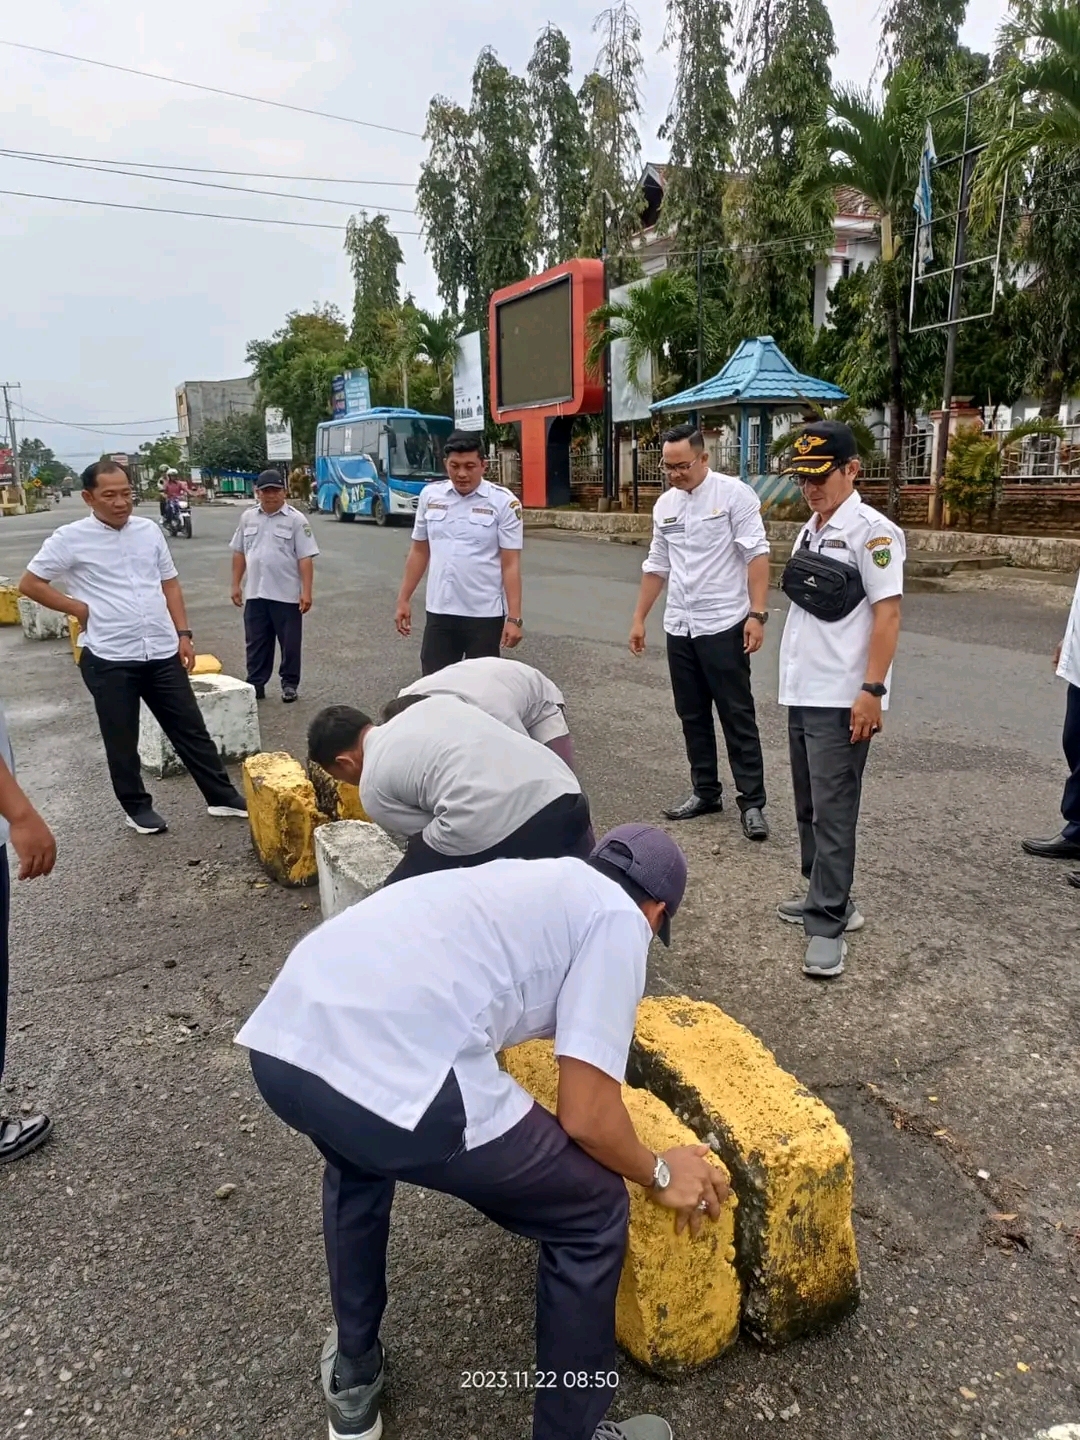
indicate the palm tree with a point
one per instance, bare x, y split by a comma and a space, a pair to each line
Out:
1043, 82
438, 345
658, 322
401, 335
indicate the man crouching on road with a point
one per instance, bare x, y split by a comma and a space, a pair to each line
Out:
463, 786
379, 1040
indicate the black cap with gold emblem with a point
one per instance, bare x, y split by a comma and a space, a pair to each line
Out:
819, 448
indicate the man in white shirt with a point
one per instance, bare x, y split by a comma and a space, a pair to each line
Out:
710, 548
465, 788
835, 675
379, 1040
273, 570
122, 588
1066, 845
470, 532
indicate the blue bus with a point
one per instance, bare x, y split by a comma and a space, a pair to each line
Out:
376, 463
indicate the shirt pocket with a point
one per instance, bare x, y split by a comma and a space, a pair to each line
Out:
478, 517
283, 537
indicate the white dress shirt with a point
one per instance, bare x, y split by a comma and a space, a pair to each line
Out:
823, 663
515, 694
272, 547
702, 541
446, 768
118, 574
1069, 668
443, 971
467, 534
8, 757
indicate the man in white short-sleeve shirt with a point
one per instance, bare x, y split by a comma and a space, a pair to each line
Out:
835, 677
468, 537
121, 585
1066, 844
380, 1040
710, 548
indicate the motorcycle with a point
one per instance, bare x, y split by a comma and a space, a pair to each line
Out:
177, 519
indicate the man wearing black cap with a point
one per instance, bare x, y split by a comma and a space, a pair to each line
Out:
845, 580
379, 1040
275, 548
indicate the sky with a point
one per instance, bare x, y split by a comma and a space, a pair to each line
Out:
104, 312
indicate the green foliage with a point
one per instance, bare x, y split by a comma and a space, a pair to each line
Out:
850, 412
236, 443
658, 319
49, 471
561, 146
438, 345
975, 462
922, 31
165, 450
447, 200
375, 257
295, 369
610, 99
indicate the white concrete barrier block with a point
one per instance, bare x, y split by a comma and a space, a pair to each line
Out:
354, 857
41, 624
1060, 1432
232, 717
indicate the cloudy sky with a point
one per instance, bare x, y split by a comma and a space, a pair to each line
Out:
105, 311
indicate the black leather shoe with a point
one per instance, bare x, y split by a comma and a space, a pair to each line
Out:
1074, 879
692, 807
754, 824
1056, 848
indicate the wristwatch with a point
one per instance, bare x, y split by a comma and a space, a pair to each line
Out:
185, 635
518, 622
761, 616
877, 690
661, 1175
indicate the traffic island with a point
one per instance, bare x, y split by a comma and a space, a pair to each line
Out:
789, 1157
39, 623
231, 714
679, 1297
353, 859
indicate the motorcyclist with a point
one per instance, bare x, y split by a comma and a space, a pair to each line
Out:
171, 491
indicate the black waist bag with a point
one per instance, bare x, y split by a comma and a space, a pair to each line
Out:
826, 588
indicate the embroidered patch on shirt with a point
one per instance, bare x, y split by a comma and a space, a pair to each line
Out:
834, 545
879, 540
669, 520
882, 558
438, 505
482, 510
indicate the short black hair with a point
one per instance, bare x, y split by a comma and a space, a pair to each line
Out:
400, 703
679, 433
333, 731
93, 473
464, 442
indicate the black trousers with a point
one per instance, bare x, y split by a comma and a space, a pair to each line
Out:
708, 670
5, 918
450, 638
270, 622
1070, 801
826, 773
533, 1181
561, 828
117, 687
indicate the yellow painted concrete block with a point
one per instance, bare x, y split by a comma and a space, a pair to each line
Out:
9, 606
349, 807
73, 637
789, 1156
283, 816
336, 800
206, 665
679, 1298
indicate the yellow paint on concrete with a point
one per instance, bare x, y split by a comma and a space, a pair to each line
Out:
283, 816
73, 637
349, 807
9, 605
206, 665
789, 1156
679, 1298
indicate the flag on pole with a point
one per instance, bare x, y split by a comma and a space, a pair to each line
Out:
924, 203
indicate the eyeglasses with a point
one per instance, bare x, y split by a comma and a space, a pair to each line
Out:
682, 468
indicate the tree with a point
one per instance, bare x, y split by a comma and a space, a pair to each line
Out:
506, 199
780, 228
375, 257
976, 460
236, 443
561, 141
295, 368
924, 32
658, 319
611, 104
438, 345
165, 450
447, 199
37, 462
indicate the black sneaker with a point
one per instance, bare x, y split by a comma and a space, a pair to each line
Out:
234, 809
147, 822
352, 1414
20, 1137
260, 692
289, 693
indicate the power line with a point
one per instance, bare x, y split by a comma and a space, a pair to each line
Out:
206, 170
98, 427
192, 214
210, 89
203, 184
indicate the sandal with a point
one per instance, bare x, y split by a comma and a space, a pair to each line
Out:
19, 1137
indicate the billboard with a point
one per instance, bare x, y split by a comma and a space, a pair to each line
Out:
350, 393
631, 395
469, 384
278, 435
535, 346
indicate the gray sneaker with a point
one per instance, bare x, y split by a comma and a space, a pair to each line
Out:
352, 1414
825, 956
792, 912
640, 1427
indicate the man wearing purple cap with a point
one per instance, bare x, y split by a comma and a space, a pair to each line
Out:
380, 1040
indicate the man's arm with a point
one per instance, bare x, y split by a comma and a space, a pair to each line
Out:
649, 592
174, 600
866, 711
416, 563
510, 560
757, 582
239, 568
34, 588
31, 838
307, 579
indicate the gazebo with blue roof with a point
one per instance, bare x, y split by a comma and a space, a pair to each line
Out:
758, 377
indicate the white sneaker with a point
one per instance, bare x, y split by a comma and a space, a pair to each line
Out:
639, 1427
227, 812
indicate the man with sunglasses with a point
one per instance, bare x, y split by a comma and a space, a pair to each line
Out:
836, 660
710, 548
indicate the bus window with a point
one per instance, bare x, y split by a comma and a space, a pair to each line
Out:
334, 436
347, 440
369, 443
415, 447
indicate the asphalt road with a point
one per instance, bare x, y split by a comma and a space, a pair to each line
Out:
134, 1303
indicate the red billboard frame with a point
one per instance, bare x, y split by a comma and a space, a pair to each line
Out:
545, 429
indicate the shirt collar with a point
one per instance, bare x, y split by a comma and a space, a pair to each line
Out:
841, 518
113, 530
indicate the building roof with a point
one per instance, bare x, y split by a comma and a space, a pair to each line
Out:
758, 373
849, 201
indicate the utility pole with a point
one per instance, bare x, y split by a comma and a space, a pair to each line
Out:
956, 284
609, 469
13, 440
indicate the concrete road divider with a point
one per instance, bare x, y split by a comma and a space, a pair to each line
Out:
9, 605
232, 717
353, 858
788, 1154
39, 623
207, 665
1060, 1432
335, 799
679, 1297
283, 816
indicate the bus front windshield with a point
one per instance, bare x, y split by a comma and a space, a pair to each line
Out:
416, 448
